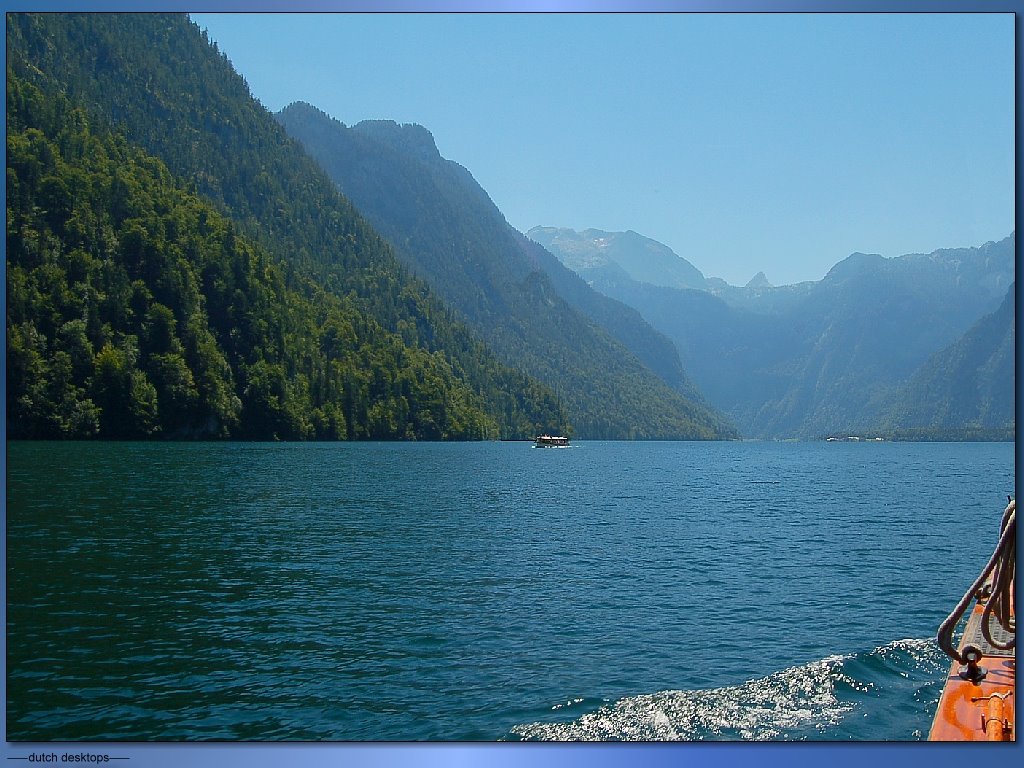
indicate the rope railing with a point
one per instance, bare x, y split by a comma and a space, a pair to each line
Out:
998, 577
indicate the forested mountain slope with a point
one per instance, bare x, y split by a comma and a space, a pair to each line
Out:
446, 229
172, 250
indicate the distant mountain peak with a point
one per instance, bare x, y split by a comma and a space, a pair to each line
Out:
760, 280
641, 258
411, 138
305, 106
856, 264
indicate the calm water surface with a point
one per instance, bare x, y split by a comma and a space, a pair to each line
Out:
488, 591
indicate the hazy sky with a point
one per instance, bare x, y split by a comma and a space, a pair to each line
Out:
745, 142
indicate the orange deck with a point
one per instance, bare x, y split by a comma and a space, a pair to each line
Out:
982, 711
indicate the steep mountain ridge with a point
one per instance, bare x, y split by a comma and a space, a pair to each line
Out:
967, 385
446, 229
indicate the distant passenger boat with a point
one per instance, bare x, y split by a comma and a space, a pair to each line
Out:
552, 441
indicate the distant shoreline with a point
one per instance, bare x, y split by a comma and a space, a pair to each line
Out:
932, 435
992, 436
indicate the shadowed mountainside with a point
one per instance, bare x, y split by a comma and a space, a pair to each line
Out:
447, 230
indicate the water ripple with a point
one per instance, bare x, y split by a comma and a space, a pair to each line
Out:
436, 591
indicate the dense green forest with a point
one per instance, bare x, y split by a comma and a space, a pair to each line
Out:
149, 300
445, 228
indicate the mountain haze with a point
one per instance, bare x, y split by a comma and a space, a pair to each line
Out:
820, 357
969, 384
537, 314
641, 258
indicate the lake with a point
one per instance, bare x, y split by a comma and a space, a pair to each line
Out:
488, 591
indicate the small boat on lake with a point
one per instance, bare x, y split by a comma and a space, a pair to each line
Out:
551, 441
977, 701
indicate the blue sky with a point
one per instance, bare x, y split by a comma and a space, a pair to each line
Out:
746, 142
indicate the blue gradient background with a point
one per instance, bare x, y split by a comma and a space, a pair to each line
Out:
761, 755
